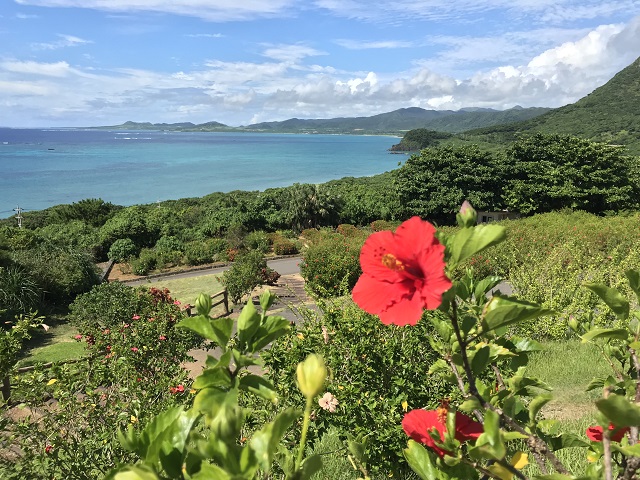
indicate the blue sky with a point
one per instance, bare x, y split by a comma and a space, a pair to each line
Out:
103, 62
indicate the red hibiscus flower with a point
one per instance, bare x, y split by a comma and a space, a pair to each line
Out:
403, 273
595, 433
418, 423
178, 389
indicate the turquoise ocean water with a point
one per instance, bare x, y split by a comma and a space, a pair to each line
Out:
41, 168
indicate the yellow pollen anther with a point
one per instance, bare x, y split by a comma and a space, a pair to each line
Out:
442, 415
390, 261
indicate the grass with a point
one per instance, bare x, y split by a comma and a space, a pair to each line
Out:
568, 367
55, 345
187, 289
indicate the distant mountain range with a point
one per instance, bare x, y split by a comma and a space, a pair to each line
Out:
396, 122
611, 113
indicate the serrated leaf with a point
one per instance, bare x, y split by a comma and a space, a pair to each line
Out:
502, 311
614, 299
469, 241
420, 461
480, 360
310, 467
213, 377
266, 440
633, 276
608, 333
258, 385
536, 405
248, 324
619, 411
484, 286
274, 327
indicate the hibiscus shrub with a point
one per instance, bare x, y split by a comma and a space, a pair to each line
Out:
331, 266
371, 376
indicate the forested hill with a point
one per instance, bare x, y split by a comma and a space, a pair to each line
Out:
611, 113
395, 122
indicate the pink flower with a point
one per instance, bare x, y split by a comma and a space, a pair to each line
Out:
162, 337
136, 317
78, 337
176, 302
328, 402
134, 349
106, 331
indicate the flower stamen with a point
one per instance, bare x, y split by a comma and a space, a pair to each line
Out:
390, 261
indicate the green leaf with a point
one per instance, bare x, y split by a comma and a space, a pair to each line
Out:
420, 461
213, 377
136, 473
501, 311
200, 325
614, 299
310, 466
209, 400
484, 286
223, 362
248, 324
634, 281
265, 441
266, 300
619, 411
258, 385
274, 327
469, 241
630, 450
480, 360
536, 405
209, 471
222, 328
608, 333
566, 440
490, 444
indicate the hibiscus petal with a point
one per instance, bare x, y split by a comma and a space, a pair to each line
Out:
407, 311
418, 423
413, 236
374, 248
467, 428
375, 296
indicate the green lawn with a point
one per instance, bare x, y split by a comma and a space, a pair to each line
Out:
187, 289
55, 345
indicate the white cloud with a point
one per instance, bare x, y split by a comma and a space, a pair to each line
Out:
204, 35
290, 53
63, 42
212, 10
362, 45
58, 69
24, 16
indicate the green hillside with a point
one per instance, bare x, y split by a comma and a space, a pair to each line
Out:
611, 113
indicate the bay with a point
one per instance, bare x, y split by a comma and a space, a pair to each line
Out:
41, 167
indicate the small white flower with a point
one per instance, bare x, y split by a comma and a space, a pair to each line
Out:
328, 402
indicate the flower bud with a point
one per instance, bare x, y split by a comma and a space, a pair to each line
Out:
573, 323
311, 375
203, 304
467, 217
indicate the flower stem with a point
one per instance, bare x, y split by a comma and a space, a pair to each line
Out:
303, 436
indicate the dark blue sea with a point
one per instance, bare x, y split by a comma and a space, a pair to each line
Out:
41, 168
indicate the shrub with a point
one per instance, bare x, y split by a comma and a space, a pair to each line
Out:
19, 292
347, 230
258, 240
122, 249
197, 253
284, 246
146, 262
244, 275
332, 267
370, 377
61, 273
379, 225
